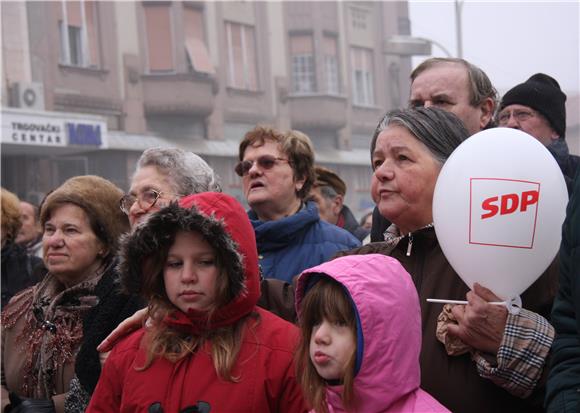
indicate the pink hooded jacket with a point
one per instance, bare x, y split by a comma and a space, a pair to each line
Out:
388, 307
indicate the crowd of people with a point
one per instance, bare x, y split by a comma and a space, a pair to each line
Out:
172, 298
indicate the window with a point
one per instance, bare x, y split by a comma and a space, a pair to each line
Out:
78, 32
331, 65
75, 46
303, 72
159, 37
359, 18
362, 77
241, 48
196, 52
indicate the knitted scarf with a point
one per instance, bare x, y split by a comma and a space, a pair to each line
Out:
53, 329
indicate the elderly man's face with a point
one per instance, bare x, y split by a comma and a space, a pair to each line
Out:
528, 120
446, 86
30, 229
328, 209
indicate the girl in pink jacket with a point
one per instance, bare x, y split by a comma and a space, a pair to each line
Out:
361, 337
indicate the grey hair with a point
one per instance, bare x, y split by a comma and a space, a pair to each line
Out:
440, 131
328, 192
480, 86
188, 173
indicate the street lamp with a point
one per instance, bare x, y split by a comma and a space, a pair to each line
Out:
403, 45
458, 31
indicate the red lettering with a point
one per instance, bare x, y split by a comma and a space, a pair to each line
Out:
513, 201
529, 198
489, 206
509, 203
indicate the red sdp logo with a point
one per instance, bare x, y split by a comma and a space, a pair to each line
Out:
500, 203
509, 203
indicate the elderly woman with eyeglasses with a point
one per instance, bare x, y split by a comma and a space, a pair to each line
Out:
164, 175
277, 173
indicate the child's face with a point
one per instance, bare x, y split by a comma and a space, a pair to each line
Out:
191, 272
331, 346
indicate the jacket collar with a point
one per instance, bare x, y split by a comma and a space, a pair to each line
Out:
281, 232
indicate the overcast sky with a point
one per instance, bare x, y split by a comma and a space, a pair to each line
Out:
510, 41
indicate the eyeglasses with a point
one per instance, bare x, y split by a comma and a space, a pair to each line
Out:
146, 199
519, 115
265, 162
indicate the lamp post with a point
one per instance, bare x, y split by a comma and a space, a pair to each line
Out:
458, 33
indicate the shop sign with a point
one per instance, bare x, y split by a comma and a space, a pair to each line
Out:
32, 130
38, 130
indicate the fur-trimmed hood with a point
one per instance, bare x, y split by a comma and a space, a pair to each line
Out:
224, 224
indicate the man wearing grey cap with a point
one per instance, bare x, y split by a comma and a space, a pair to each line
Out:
329, 191
538, 108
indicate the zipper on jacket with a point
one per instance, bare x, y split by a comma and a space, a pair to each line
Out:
410, 244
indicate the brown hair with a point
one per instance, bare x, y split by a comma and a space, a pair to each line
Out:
327, 299
173, 345
11, 223
294, 144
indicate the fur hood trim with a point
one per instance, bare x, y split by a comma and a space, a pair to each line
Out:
222, 222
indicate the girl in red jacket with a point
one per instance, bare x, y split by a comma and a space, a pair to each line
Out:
207, 347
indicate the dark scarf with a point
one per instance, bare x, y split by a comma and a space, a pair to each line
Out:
569, 164
559, 150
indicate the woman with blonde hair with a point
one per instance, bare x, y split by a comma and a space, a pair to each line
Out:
19, 270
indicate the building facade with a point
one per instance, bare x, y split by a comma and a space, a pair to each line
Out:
87, 86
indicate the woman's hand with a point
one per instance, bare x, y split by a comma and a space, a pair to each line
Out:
127, 326
480, 324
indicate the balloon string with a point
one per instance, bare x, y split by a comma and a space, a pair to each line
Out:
513, 305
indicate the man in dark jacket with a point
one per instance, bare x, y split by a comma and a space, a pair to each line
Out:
19, 270
538, 108
563, 389
30, 234
328, 192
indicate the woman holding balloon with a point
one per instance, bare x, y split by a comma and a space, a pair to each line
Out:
480, 350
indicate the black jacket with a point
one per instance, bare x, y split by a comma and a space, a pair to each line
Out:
563, 389
19, 270
113, 307
352, 225
569, 164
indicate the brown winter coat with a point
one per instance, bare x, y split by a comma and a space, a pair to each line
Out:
453, 380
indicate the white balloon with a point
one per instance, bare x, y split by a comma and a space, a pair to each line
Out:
498, 208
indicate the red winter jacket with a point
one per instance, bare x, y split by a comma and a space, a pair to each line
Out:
264, 366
